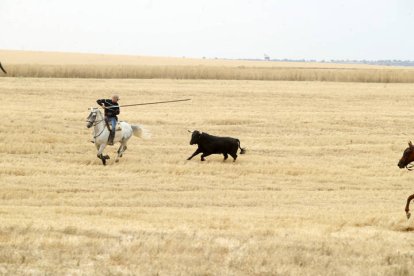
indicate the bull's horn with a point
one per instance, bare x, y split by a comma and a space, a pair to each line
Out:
410, 144
190, 131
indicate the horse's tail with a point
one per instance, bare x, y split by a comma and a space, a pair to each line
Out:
141, 132
242, 150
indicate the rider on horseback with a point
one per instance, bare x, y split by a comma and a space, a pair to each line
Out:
111, 110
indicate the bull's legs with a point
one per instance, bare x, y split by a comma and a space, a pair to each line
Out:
204, 155
198, 151
407, 206
234, 155
225, 156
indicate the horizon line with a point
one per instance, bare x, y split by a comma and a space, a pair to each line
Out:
265, 58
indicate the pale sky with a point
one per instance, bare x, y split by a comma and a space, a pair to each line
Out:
318, 29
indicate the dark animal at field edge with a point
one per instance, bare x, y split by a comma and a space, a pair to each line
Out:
406, 159
2, 69
209, 144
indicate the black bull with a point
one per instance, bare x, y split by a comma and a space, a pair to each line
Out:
209, 144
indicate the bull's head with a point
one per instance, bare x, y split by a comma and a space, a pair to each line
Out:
195, 137
408, 156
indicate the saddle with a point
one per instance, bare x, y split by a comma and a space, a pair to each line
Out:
117, 128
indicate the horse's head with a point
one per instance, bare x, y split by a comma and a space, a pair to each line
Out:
92, 117
408, 156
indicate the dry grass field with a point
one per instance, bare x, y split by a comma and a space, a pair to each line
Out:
318, 192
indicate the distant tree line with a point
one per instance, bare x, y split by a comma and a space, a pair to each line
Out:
383, 62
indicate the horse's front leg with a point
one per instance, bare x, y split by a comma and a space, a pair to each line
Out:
100, 154
407, 206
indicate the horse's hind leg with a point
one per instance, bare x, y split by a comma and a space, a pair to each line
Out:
407, 206
121, 150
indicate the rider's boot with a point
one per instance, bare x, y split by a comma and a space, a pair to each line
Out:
111, 138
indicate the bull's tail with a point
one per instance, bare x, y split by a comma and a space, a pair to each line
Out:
141, 132
242, 151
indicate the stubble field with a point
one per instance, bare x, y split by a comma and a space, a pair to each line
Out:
318, 191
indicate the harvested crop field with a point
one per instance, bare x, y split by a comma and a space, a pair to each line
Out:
318, 191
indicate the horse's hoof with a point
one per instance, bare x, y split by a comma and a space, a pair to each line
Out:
107, 157
116, 160
408, 215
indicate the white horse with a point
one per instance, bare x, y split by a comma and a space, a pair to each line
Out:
122, 135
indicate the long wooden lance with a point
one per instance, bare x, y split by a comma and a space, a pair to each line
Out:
174, 101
